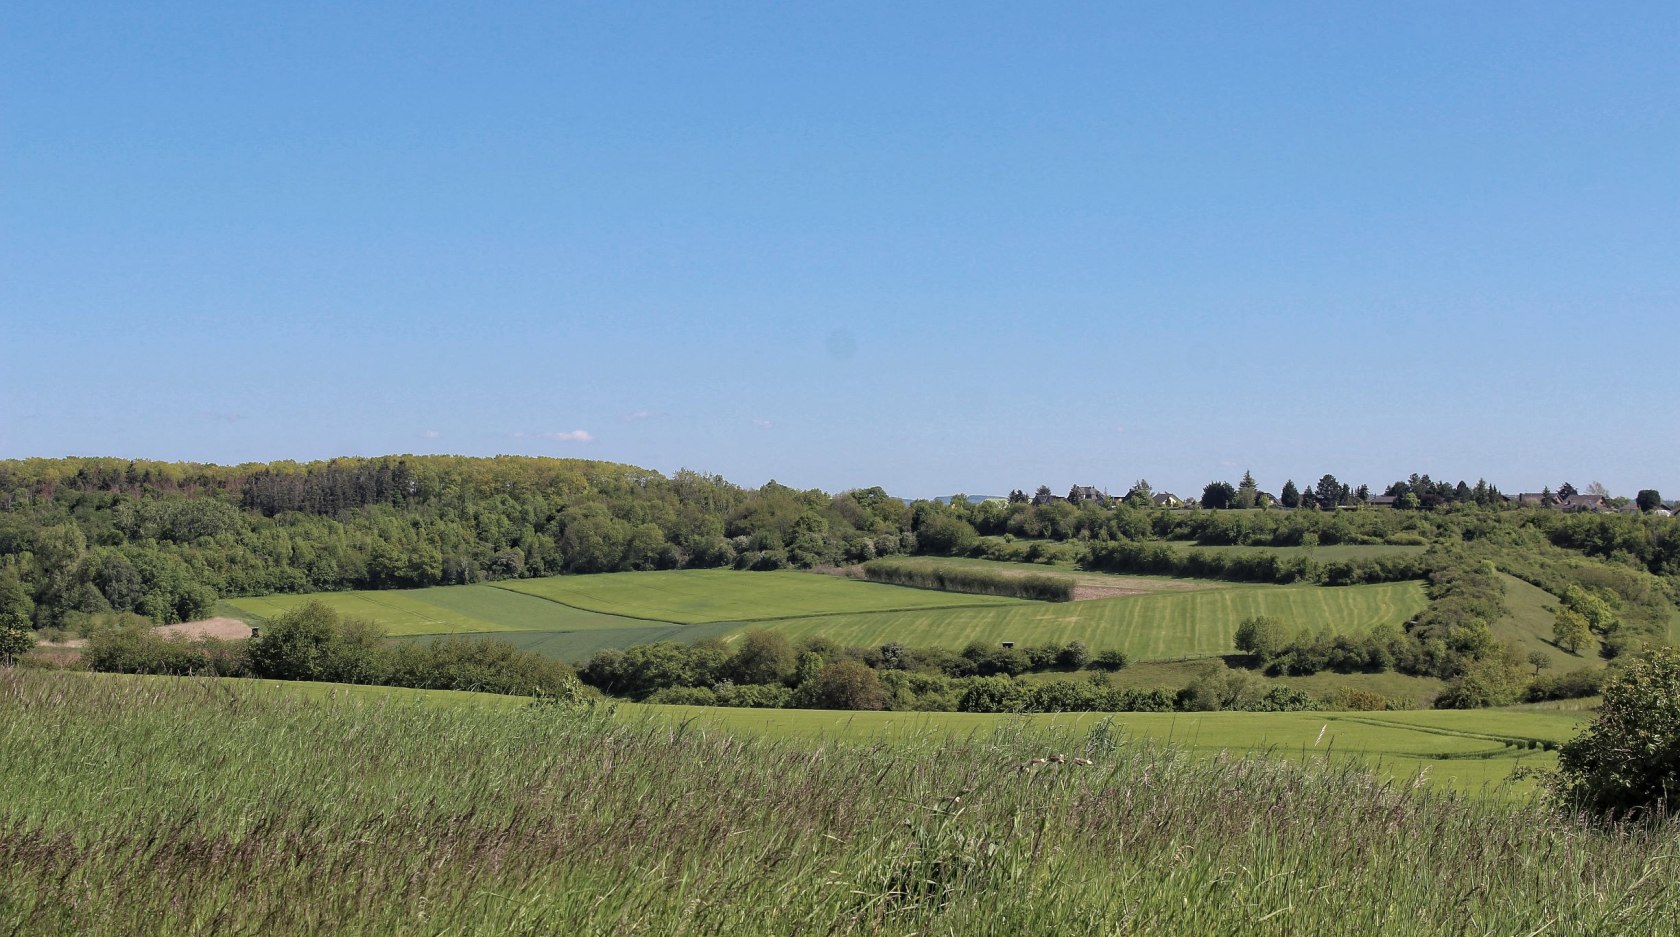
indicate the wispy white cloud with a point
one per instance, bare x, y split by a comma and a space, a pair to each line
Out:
639, 415
763, 424
430, 434
576, 435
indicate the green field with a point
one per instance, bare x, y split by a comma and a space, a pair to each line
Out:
1328, 553
181, 805
1147, 627
438, 610
1467, 750
704, 596
571, 617
1527, 623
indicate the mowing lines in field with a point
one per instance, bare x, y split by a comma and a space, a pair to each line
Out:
470, 609
702, 596
1190, 624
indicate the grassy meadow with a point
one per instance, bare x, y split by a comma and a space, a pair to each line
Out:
573, 616
706, 596
1147, 627
132, 806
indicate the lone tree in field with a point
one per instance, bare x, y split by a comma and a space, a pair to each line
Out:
1570, 631
1290, 496
1628, 760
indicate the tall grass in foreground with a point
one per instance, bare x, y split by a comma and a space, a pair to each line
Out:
170, 806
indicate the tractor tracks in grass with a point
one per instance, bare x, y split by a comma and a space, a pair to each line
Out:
1506, 742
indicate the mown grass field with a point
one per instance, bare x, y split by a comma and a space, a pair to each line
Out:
1147, 627
571, 617
471, 609
612, 601
705, 596
165, 806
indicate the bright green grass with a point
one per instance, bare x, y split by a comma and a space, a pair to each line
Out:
1527, 623
1141, 584
471, 609
578, 646
1467, 750
1147, 627
1327, 553
699, 596
196, 807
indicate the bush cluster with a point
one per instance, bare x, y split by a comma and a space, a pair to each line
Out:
965, 579
1156, 558
313, 642
766, 670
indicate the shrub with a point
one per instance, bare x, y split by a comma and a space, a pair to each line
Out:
1111, 659
143, 651
1628, 760
1570, 684
763, 657
1074, 656
685, 696
848, 684
1356, 700
975, 581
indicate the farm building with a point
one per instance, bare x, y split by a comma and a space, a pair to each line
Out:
1167, 499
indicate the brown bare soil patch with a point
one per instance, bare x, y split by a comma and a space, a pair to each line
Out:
227, 629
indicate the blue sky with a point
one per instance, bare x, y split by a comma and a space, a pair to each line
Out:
956, 247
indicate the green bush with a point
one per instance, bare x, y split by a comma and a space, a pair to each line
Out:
1627, 762
143, 651
1043, 588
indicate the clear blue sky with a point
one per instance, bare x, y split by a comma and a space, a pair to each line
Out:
935, 247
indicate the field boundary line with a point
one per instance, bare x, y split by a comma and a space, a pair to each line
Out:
585, 608
793, 617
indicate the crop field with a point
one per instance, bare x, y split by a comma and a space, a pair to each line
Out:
471, 609
175, 805
571, 617
1161, 626
702, 596
1326, 553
